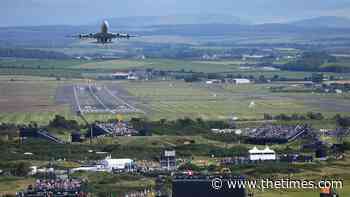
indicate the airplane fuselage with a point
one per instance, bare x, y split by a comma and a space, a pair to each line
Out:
105, 27
104, 36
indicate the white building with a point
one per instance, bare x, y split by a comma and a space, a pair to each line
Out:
120, 75
241, 81
214, 81
117, 164
252, 57
133, 77
97, 168
262, 155
338, 91
109, 165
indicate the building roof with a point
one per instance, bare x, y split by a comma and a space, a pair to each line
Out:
118, 161
120, 74
241, 80
341, 82
255, 150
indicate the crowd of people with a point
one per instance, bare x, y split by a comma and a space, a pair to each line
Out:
276, 132
143, 193
118, 128
54, 187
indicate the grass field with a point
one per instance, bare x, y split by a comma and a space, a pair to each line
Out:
9, 185
39, 63
336, 170
28, 96
178, 99
77, 68
26, 99
164, 64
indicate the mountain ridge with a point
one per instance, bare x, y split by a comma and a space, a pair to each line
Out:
323, 21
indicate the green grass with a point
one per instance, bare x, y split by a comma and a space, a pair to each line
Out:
9, 185
39, 63
42, 67
76, 68
104, 182
176, 99
29, 99
114, 64
164, 64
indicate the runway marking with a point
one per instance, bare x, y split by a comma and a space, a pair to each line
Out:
121, 100
77, 99
98, 99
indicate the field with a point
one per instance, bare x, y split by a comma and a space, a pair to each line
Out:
82, 68
10, 184
39, 63
26, 99
178, 99
338, 170
164, 64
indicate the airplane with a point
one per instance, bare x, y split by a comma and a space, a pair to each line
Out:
104, 36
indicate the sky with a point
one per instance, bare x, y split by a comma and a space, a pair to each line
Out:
77, 12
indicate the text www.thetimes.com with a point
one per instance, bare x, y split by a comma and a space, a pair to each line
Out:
264, 184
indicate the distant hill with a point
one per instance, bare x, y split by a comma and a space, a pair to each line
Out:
175, 20
241, 30
334, 29
324, 21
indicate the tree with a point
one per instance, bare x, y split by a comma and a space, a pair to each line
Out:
317, 77
314, 116
262, 79
310, 61
142, 125
163, 121
283, 117
268, 116
275, 77
344, 122
62, 123
295, 117
21, 169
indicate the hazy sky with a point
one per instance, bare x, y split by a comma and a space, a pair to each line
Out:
45, 12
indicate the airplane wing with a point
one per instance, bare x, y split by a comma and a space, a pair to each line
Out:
86, 36
122, 35
83, 36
